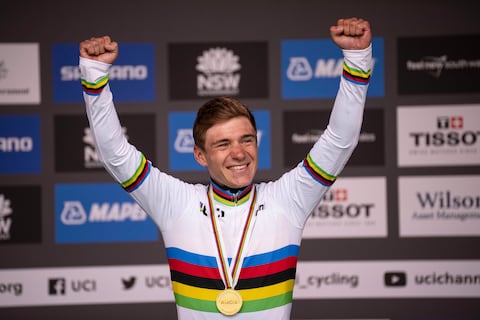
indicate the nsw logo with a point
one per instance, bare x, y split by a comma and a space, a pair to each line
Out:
132, 76
99, 213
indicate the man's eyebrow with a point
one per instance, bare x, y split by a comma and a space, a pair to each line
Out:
248, 135
220, 141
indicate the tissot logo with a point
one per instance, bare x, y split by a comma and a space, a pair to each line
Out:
338, 209
213, 69
395, 279
441, 135
348, 210
449, 133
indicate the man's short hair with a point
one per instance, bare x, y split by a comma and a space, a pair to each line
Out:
218, 110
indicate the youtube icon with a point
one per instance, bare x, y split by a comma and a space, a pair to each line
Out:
395, 279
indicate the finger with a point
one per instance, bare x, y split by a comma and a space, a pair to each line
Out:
337, 29
351, 26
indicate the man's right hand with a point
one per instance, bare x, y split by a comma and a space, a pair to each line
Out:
101, 49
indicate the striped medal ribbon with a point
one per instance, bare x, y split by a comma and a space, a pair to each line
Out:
229, 301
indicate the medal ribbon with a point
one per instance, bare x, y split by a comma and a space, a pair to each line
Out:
230, 278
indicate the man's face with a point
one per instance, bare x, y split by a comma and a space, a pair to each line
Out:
231, 152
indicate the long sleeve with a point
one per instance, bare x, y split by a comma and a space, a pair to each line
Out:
301, 189
158, 193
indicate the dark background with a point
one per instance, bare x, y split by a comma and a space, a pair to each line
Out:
162, 22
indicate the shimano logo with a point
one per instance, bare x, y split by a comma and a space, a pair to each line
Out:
74, 213
125, 72
16, 144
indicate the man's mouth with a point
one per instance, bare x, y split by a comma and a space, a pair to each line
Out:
238, 167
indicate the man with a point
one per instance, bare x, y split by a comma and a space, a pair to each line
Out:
232, 246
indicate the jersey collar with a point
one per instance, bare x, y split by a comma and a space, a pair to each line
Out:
231, 197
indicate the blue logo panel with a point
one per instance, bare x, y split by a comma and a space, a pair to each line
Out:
181, 141
20, 148
89, 213
312, 69
132, 76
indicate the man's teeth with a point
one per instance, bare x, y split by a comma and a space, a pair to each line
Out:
238, 167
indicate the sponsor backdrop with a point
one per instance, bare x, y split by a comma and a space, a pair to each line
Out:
396, 237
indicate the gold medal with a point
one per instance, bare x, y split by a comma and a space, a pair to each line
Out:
229, 302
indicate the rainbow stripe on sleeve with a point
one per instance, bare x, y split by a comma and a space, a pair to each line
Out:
95, 88
356, 76
139, 176
317, 173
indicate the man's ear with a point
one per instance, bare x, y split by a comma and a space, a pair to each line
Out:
199, 155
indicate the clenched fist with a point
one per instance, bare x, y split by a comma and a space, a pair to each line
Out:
351, 34
101, 49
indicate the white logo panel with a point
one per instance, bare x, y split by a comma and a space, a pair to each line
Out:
438, 135
19, 73
439, 206
352, 208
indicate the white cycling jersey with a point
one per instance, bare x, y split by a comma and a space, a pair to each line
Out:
182, 211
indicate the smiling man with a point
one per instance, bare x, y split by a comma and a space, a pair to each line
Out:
232, 245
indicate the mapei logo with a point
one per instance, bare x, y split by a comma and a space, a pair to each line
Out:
312, 69
20, 144
218, 73
132, 76
182, 142
99, 213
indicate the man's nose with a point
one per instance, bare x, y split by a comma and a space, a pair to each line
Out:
237, 151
